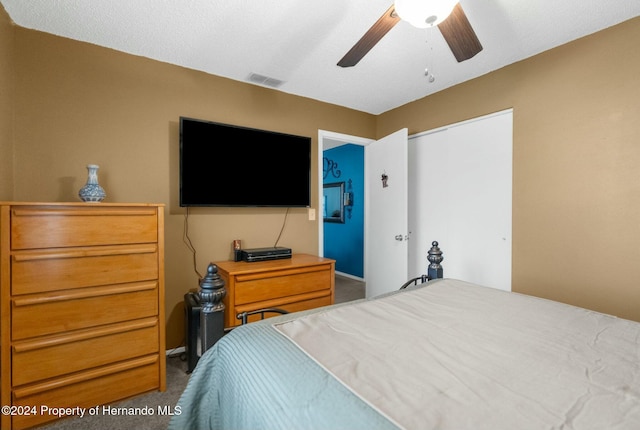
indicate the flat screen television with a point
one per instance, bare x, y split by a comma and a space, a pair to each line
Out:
228, 165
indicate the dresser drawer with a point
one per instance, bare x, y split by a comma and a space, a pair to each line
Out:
53, 356
99, 386
34, 227
281, 283
290, 305
63, 269
56, 312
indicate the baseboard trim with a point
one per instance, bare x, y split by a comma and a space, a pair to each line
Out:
346, 275
174, 351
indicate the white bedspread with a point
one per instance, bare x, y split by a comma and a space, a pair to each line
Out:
458, 356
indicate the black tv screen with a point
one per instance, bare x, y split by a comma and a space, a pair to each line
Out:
228, 165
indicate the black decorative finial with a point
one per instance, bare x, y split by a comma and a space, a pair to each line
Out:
211, 293
435, 258
212, 290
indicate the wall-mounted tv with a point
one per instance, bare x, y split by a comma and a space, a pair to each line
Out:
228, 165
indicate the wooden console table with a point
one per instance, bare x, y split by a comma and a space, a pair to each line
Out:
293, 284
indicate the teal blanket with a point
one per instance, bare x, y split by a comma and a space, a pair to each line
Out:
255, 378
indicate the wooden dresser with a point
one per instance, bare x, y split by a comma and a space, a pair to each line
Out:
294, 284
82, 306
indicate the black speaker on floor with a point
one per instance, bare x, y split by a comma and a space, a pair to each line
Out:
192, 329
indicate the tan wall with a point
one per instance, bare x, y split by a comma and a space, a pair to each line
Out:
77, 103
576, 129
6, 106
576, 165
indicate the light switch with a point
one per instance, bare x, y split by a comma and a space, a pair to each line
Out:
312, 214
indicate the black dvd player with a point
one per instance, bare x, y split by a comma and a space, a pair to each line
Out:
262, 254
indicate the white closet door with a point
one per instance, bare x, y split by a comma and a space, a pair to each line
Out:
460, 192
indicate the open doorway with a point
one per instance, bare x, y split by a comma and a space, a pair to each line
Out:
341, 232
385, 212
343, 209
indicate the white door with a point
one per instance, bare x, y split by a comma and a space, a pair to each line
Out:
461, 192
386, 219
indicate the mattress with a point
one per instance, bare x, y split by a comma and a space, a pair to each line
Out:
449, 355
457, 356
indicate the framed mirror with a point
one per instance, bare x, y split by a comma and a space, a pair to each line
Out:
332, 202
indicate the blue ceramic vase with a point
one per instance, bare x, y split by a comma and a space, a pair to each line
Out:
92, 192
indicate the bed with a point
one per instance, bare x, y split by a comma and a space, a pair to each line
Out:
442, 355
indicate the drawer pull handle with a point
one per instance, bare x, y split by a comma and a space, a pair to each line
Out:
84, 252
85, 376
83, 293
285, 272
80, 212
30, 345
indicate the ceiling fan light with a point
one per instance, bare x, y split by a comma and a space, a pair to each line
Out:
424, 13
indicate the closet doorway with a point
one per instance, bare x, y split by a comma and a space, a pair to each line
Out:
460, 194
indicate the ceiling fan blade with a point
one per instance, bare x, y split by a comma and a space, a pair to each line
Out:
459, 35
382, 26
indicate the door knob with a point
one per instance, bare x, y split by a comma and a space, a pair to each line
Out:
399, 237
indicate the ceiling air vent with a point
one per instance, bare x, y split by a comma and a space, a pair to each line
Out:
264, 80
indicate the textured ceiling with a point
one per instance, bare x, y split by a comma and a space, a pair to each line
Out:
299, 42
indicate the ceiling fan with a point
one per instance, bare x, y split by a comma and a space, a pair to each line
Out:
448, 16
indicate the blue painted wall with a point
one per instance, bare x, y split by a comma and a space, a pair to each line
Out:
345, 242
